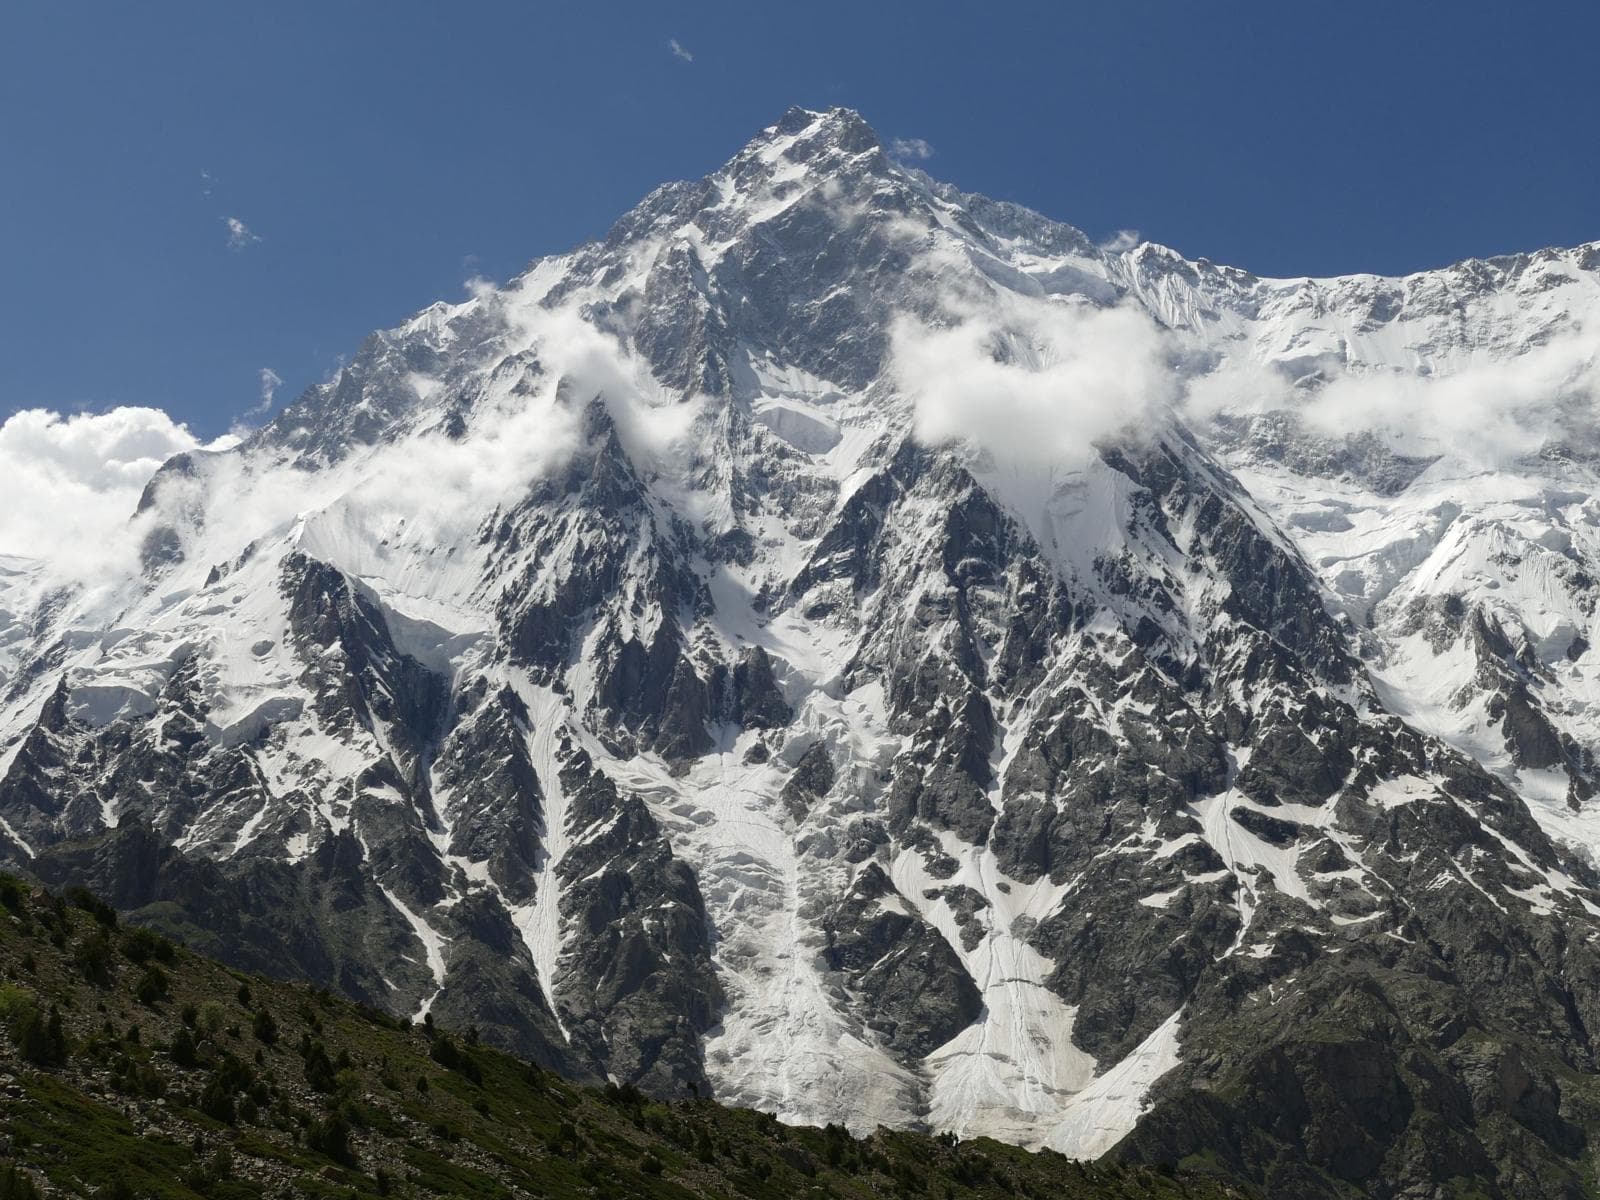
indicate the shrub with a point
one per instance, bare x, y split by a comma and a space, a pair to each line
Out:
449, 1056
264, 1027
212, 1019
153, 986
83, 898
15, 1004
625, 1095
331, 1137
320, 1075
12, 893
140, 945
182, 1050
444, 1052
836, 1140
41, 1040
15, 1185
216, 1101
93, 958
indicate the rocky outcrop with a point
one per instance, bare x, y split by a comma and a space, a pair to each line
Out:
914, 990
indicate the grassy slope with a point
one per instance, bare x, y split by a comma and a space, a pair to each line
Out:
176, 1095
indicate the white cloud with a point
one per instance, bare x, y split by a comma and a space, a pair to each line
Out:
1120, 241
1238, 387
678, 50
427, 487
1033, 381
240, 235
78, 479
1488, 412
207, 182
910, 148
270, 383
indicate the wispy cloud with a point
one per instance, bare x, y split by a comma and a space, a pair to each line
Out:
1121, 241
240, 235
270, 383
911, 148
679, 50
207, 182
1488, 412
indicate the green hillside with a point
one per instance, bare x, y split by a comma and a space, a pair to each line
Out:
135, 1068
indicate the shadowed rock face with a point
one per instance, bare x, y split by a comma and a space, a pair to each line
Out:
918, 993
754, 744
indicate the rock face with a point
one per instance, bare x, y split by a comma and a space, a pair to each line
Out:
632, 675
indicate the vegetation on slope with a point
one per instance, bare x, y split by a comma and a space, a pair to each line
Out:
136, 1068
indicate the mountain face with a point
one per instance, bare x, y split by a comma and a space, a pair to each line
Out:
863, 651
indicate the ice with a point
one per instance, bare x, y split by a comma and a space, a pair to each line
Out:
539, 923
1011, 1073
1105, 1111
433, 946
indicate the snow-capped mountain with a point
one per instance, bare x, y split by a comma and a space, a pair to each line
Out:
863, 649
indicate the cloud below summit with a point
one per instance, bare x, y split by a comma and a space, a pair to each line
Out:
1034, 382
78, 479
1487, 413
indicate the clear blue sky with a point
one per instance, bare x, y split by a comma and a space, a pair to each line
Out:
382, 152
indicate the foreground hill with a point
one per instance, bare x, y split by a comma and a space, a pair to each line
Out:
133, 1067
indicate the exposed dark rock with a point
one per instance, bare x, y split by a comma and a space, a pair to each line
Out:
916, 993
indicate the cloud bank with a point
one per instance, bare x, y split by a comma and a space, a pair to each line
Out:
1485, 412
428, 487
77, 480
1034, 382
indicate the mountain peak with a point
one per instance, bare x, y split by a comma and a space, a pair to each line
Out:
845, 123
821, 141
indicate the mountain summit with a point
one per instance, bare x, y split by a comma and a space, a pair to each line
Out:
865, 650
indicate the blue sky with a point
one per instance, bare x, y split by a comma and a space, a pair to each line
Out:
379, 154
